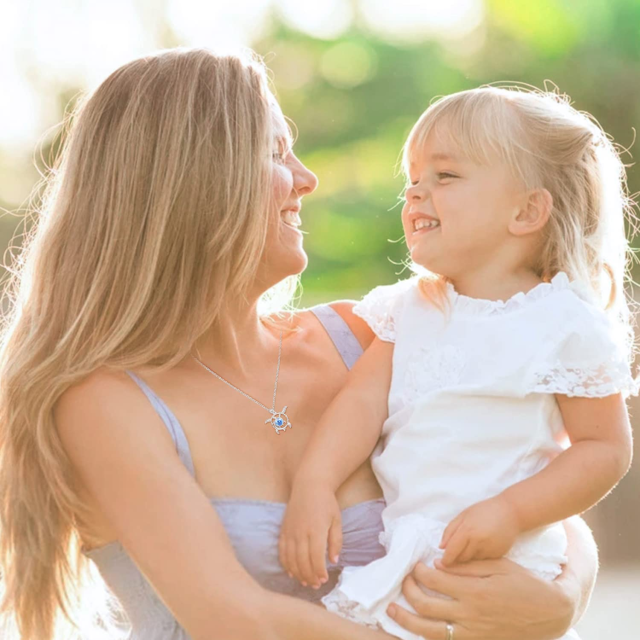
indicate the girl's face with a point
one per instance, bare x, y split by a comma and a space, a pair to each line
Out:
456, 214
284, 254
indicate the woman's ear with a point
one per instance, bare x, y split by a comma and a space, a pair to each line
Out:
533, 214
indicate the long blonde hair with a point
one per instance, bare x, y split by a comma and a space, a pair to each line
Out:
548, 144
156, 210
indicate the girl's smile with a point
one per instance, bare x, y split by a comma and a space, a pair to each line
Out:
422, 223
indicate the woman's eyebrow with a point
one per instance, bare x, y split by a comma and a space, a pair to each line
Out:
283, 141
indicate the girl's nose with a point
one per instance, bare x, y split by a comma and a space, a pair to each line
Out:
415, 193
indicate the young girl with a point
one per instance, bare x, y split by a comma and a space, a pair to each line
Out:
513, 335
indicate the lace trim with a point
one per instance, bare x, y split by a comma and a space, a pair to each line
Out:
430, 369
596, 382
559, 282
337, 602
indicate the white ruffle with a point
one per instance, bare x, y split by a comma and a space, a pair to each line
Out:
478, 306
379, 308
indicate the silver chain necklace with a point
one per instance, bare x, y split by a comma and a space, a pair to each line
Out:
279, 419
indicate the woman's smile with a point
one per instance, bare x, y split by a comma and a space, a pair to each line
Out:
291, 219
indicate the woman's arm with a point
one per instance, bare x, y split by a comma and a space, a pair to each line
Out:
123, 455
499, 600
578, 577
125, 458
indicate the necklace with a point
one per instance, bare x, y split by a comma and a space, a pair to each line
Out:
279, 419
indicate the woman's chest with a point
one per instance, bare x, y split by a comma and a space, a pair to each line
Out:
235, 448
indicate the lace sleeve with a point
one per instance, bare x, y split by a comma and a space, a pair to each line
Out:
380, 309
586, 361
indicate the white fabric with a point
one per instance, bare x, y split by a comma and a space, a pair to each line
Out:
471, 412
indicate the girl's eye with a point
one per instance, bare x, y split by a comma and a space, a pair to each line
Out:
444, 175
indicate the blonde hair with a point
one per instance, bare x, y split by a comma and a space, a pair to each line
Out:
155, 213
548, 145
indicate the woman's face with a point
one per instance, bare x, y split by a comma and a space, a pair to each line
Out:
284, 254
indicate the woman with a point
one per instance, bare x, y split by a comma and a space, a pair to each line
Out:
173, 210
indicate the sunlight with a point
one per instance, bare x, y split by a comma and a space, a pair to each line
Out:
416, 19
222, 26
74, 45
327, 19
65, 44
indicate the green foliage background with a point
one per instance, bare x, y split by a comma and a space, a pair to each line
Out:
353, 100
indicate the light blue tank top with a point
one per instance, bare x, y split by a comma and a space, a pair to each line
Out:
253, 526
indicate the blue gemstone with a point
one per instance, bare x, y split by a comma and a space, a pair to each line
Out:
279, 422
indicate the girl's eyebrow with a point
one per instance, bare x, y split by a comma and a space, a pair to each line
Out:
444, 156
438, 156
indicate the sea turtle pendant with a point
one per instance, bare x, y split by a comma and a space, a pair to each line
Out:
279, 420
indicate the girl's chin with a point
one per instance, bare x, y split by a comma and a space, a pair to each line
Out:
423, 258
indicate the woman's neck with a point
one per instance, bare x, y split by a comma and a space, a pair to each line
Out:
238, 342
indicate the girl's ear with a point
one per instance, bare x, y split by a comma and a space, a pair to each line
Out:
533, 214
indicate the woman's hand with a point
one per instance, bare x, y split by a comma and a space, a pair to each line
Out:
312, 517
489, 600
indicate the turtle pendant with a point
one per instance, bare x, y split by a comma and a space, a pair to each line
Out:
279, 420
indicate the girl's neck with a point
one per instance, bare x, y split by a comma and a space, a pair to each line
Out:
488, 284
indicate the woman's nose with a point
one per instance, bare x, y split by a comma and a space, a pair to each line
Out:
305, 181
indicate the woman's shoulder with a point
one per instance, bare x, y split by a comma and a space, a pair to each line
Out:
100, 386
96, 390
304, 323
103, 405
358, 326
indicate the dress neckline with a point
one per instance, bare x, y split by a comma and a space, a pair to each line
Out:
483, 306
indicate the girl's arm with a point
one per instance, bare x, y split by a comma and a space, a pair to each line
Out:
343, 439
125, 458
350, 428
599, 456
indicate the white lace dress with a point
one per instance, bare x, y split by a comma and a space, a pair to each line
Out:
471, 412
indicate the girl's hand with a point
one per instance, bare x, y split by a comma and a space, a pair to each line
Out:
489, 600
312, 517
485, 530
